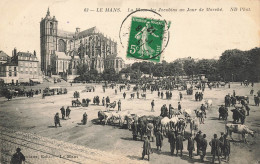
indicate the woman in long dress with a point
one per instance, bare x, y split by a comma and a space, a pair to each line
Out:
145, 49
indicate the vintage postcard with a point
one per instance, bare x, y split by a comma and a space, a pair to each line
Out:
115, 81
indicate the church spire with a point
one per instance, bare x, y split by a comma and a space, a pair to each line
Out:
48, 12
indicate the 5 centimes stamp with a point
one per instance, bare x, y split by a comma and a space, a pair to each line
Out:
146, 38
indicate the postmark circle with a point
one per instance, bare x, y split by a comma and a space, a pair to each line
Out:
136, 28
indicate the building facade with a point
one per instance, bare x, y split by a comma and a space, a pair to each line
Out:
3, 57
62, 51
22, 67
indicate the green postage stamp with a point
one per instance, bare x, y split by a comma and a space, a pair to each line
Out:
146, 39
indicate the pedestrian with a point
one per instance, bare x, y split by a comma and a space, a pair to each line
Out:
256, 99
247, 109
124, 94
221, 139
103, 101
179, 107
159, 94
203, 109
137, 93
119, 105
57, 120
215, 148
180, 94
62, 112
198, 139
234, 93
68, 112
17, 157
146, 148
135, 130
170, 111
116, 91
85, 119
190, 146
226, 146
162, 95
159, 140
179, 143
172, 141
107, 101
152, 104
203, 147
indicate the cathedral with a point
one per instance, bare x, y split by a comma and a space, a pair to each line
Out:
62, 51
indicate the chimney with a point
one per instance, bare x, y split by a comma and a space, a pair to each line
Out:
14, 52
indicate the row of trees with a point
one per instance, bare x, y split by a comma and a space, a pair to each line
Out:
233, 65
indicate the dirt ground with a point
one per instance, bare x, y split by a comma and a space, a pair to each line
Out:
22, 118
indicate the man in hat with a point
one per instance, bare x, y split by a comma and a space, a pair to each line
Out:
17, 157
159, 140
85, 118
180, 94
146, 148
124, 94
221, 111
57, 120
134, 130
247, 109
226, 147
179, 143
103, 101
170, 111
203, 147
119, 105
215, 148
221, 139
62, 112
179, 107
198, 139
190, 146
68, 112
172, 141
203, 109
152, 104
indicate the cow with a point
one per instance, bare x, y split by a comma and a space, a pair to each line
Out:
240, 129
75, 103
208, 103
143, 95
194, 124
112, 105
104, 117
165, 123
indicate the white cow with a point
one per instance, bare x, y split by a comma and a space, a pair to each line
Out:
165, 123
240, 129
208, 103
186, 112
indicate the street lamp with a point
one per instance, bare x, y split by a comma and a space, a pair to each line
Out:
232, 78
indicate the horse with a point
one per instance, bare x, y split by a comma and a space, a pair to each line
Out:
240, 129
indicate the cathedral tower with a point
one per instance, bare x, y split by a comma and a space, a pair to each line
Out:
48, 41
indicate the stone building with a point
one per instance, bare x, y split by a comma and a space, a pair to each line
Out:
3, 57
62, 51
22, 67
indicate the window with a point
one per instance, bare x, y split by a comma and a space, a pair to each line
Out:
116, 63
61, 45
15, 74
10, 72
14, 68
51, 28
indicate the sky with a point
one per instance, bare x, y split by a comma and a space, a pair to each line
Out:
192, 34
